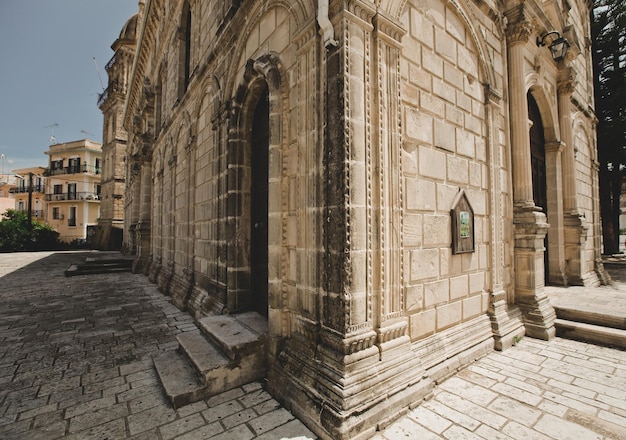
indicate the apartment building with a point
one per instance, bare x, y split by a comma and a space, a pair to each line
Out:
30, 183
72, 188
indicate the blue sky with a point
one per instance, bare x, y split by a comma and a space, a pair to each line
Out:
48, 75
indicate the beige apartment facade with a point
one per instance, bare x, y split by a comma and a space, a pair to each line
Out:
390, 184
30, 184
73, 188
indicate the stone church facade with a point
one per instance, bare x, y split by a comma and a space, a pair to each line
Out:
389, 183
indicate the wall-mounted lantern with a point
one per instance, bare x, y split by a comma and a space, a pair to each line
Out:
558, 47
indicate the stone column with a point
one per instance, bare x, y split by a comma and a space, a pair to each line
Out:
576, 226
530, 226
517, 37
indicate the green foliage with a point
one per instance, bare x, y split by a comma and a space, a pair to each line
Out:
16, 235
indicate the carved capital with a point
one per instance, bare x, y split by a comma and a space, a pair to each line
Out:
389, 28
566, 82
519, 26
519, 32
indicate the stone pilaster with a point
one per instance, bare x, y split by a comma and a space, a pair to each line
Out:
506, 319
554, 189
363, 369
141, 264
575, 225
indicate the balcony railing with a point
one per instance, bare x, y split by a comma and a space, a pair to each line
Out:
73, 196
22, 190
84, 168
114, 87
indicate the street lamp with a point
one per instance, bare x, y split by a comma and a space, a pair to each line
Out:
558, 47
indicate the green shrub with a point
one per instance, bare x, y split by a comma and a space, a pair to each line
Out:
16, 235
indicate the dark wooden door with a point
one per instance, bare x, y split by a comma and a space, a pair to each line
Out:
259, 205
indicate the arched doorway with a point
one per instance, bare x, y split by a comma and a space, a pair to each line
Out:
259, 173
538, 161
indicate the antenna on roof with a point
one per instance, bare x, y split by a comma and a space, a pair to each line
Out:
87, 133
51, 127
98, 72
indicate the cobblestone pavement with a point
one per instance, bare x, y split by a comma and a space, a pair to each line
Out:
75, 363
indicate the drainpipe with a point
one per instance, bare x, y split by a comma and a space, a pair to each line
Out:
328, 32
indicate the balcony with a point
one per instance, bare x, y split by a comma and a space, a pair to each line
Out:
114, 87
89, 196
23, 190
84, 168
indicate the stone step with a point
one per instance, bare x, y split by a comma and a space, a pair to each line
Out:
595, 334
96, 266
229, 352
235, 335
179, 379
579, 313
203, 355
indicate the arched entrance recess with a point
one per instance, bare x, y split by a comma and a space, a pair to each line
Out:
254, 138
259, 174
538, 163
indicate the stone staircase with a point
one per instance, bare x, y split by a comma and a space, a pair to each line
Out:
591, 325
229, 351
100, 265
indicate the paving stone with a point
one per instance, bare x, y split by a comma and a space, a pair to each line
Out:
114, 429
150, 418
181, 426
90, 406
429, 419
48, 432
238, 418
85, 421
211, 431
148, 401
402, 429
269, 421
558, 428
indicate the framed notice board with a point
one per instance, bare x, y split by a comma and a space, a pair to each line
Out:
462, 224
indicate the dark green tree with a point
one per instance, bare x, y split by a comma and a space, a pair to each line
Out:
16, 234
608, 33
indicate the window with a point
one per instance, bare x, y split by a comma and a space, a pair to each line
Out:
71, 221
74, 165
20, 206
98, 166
56, 164
184, 54
56, 214
71, 191
58, 189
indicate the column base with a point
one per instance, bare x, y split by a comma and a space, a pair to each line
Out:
506, 322
539, 316
347, 396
